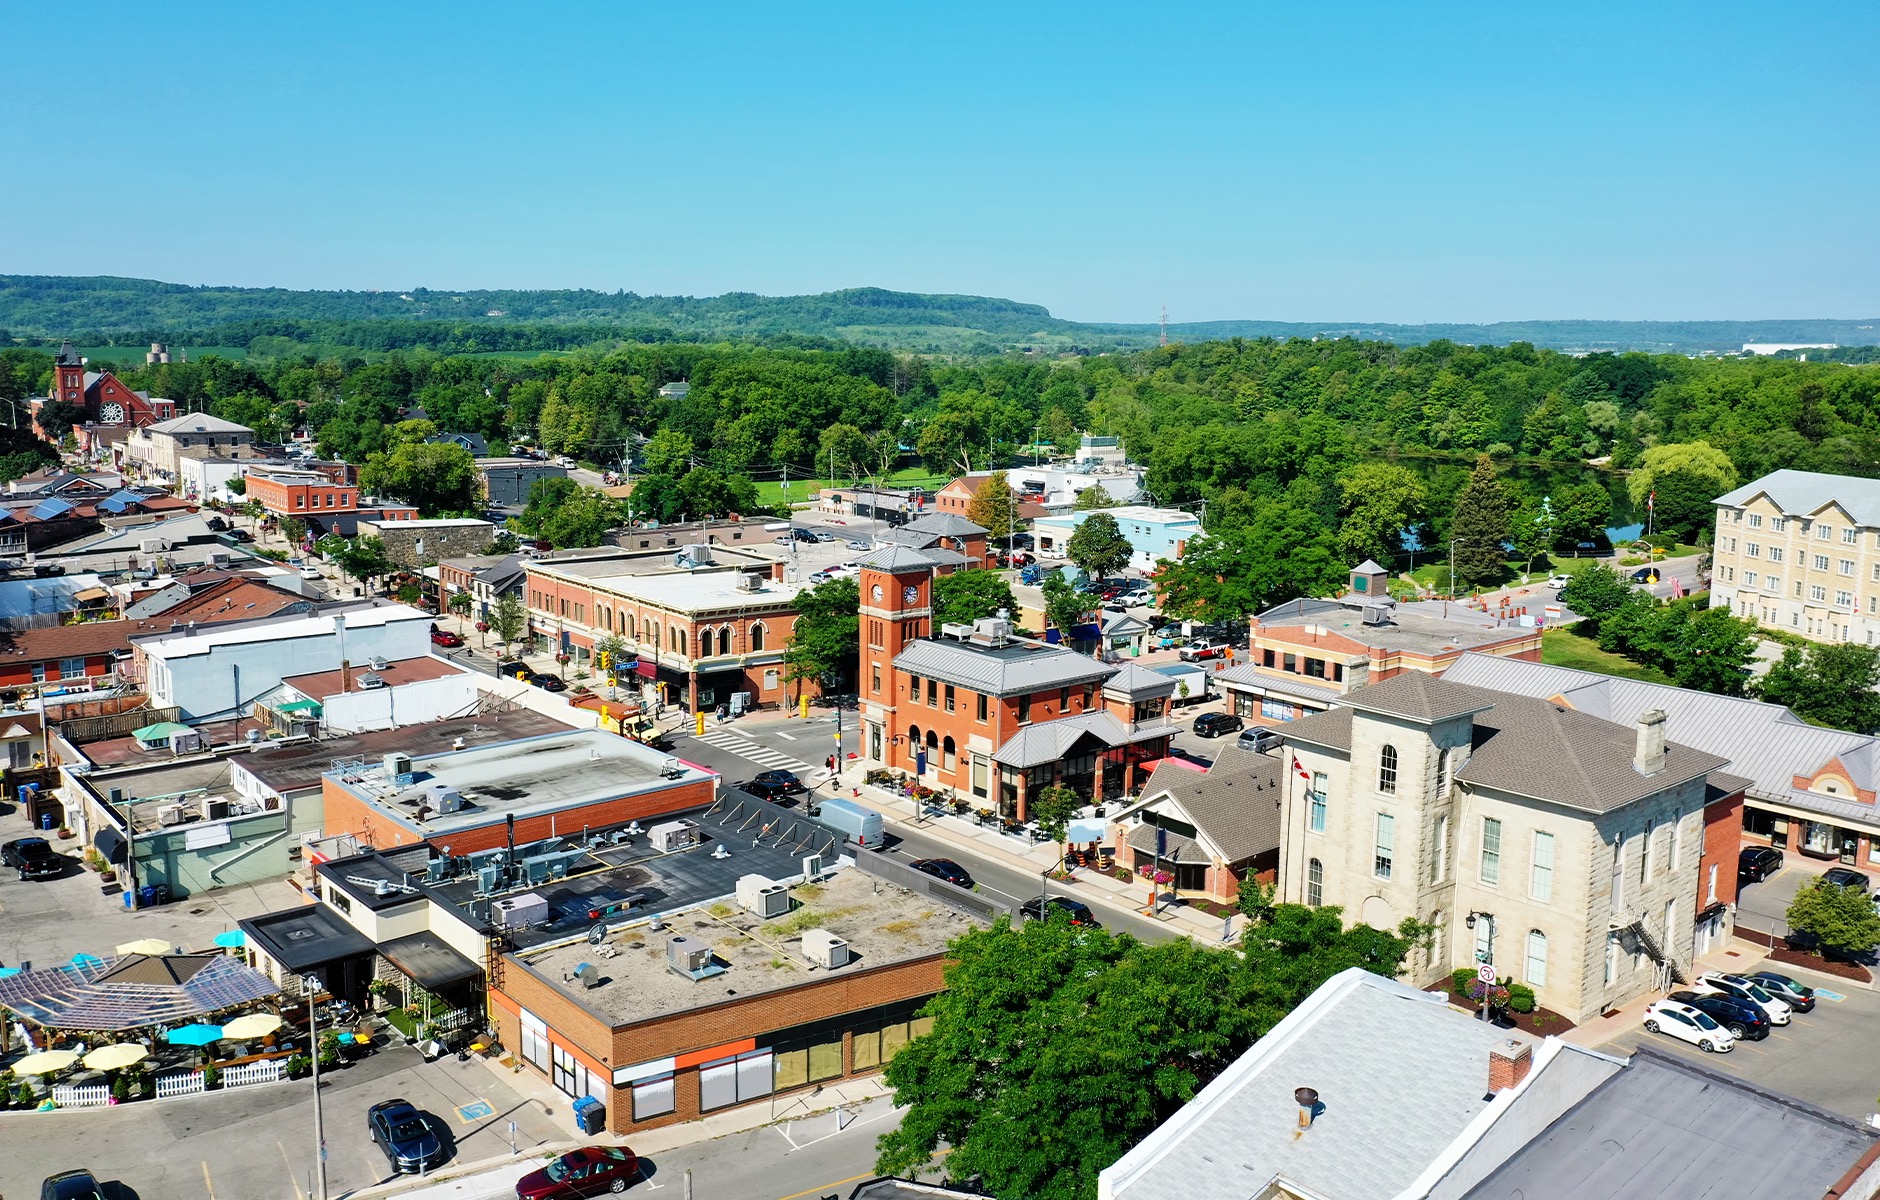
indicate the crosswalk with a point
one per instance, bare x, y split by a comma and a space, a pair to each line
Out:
761, 755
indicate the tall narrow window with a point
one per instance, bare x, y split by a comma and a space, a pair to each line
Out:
757, 637
1443, 763
1387, 769
1315, 803
1541, 871
1618, 874
1436, 940
1386, 845
1315, 883
1675, 851
1711, 898
1024, 710
1439, 866
1645, 855
1491, 850
1536, 970
980, 712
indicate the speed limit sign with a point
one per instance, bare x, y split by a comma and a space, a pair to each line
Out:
1485, 973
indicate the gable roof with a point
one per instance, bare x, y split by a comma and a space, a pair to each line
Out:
1804, 493
1669, 1126
197, 423
1235, 803
1379, 1130
1420, 697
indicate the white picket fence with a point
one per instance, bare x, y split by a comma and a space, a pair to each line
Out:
90, 1095
178, 1083
249, 1074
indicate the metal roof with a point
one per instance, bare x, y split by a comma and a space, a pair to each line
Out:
896, 558
1049, 741
1805, 493
944, 524
1016, 668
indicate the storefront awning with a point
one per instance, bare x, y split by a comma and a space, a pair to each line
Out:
310, 707
111, 844
429, 962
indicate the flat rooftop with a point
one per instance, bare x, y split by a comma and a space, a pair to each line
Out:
184, 644
531, 777
882, 924
594, 567
1424, 627
320, 684
683, 591
291, 768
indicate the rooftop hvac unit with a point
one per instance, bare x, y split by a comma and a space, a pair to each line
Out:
691, 959
446, 799
397, 763
215, 808
955, 629
825, 949
673, 835
370, 681
153, 545
379, 662
519, 912
759, 895
171, 814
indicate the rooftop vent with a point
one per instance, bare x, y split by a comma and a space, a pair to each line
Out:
825, 949
371, 680
379, 662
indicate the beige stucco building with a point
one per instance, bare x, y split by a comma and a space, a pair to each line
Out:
1800, 551
1560, 847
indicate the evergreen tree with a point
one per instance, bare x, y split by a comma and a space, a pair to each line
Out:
1481, 526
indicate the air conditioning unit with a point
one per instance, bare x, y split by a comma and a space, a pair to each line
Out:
370, 680
215, 808
397, 763
172, 814
762, 896
153, 545
825, 949
519, 912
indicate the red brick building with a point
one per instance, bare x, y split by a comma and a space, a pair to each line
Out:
64, 653
991, 715
107, 401
289, 492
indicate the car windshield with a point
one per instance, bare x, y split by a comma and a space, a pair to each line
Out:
560, 1169
409, 1129
1704, 1020
1759, 995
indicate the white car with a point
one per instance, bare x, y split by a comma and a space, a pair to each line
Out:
1688, 1024
1744, 989
310, 573
1137, 599
1559, 581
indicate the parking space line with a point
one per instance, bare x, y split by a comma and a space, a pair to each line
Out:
298, 1194
208, 1183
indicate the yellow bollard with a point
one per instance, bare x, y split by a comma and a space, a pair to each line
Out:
699, 723
802, 707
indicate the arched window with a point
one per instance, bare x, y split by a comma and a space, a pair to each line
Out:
677, 636
1387, 769
704, 643
1536, 972
1315, 883
913, 741
757, 636
933, 745
946, 754
627, 626
724, 640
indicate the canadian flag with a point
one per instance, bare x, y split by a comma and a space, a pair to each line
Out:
1301, 771
1651, 500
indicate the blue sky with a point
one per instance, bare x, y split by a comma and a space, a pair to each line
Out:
1360, 162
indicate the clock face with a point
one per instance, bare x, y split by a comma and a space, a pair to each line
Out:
877, 591
112, 413
910, 593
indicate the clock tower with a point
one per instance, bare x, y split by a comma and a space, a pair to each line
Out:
896, 611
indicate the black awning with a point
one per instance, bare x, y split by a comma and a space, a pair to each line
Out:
429, 962
111, 844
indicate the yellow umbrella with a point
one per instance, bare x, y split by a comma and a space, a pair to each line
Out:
116, 1057
45, 1062
254, 1025
147, 946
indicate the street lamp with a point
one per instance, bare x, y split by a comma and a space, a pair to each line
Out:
311, 985
1453, 543
1483, 958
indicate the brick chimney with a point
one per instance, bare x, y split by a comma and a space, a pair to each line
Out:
1649, 758
1508, 1064
776, 571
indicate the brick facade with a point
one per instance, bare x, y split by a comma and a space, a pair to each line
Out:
348, 814
301, 494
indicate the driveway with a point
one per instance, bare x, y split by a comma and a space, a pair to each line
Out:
1765, 906
1827, 1057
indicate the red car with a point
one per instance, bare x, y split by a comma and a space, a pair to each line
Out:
589, 1171
443, 637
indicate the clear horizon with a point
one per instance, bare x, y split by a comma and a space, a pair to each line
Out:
1374, 164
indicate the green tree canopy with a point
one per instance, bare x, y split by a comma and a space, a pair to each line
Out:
1065, 607
1378, 502
827, 641
1581, 511
1281, 553
1098, 545
545, 496
435, 477
583, 518
993, 505
969, 595
1596, 591
1480, 526
364, 558
1699, 459
1844, 918
1829, 683
1091, 497
508, 619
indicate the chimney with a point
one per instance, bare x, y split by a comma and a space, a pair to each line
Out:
345, 677
1508, 1065
1309, 1106
1649, 759
776, 571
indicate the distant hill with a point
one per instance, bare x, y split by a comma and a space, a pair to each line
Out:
95, 310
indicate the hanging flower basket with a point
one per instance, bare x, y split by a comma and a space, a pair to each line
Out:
483, 626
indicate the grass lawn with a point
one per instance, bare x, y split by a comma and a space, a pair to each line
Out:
1565, 648
771, 491
1435, 576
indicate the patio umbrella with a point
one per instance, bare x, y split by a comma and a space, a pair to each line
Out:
147, 946
116, 1057
194, 1035
233, 939
82, 959
45, 1062
254, 1025
9, 972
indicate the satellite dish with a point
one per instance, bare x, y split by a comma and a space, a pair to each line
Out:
597, 933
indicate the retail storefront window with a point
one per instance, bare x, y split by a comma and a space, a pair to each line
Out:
653, 1097
728, 1081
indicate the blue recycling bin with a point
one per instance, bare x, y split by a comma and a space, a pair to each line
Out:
590, 1115
45, 820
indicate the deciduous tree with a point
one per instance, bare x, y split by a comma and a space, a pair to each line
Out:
1098, 545
508, 619
993, 505
1843, 918
827, 640
1378, 501
1091, 497
970, 595
1829, 683
435, 477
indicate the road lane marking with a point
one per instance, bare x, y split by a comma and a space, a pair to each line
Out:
298, 1194
824, 1189
786, 736
206, 1181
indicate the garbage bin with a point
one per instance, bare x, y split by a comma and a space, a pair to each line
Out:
590, 1115
147, 896
45, 820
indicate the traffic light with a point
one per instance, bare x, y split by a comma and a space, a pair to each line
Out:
604, 660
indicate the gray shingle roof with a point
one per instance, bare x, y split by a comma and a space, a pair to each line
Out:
1804, 493
1666, 1126
1765, 742
1383, 1123
1419, 697
1235, 803
944, 524
1330, 729
1014, 669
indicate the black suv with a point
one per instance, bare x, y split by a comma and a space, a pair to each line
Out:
1076, 911
1215, 724
775, 785
34, 857
1846, 877
1757, 863
1743, 1019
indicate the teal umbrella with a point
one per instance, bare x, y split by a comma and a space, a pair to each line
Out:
87, 960
194, 1035
234, 939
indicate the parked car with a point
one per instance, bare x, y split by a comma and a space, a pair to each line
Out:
445, 638
71, 1185
1201, 648
775, 786
861, 544
240, 535
408, 1137
1846, 877
33, 857
515, 669
1258, 741
1745, 1021
310, 573
1559, 581
1138, 598
1075, 911
1792, 992
1645, 575
1743, 989
588, 1171
803, 535
1215, 724
824, 535
1688, 1024
549, 682
1757, 863
944, 868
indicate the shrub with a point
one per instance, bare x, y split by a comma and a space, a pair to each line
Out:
298, 1065
25, 1097
1460, 979
211, 1077
1520, 998
121, 1089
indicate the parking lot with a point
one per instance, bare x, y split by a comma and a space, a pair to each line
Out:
1827, 1057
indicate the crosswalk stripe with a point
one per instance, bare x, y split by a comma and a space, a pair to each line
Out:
762, 756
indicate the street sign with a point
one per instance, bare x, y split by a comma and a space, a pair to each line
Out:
1486, 972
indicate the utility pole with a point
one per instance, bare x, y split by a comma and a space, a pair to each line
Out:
311, 985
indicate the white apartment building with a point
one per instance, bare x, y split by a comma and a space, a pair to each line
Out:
1800, 551
1560, 847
